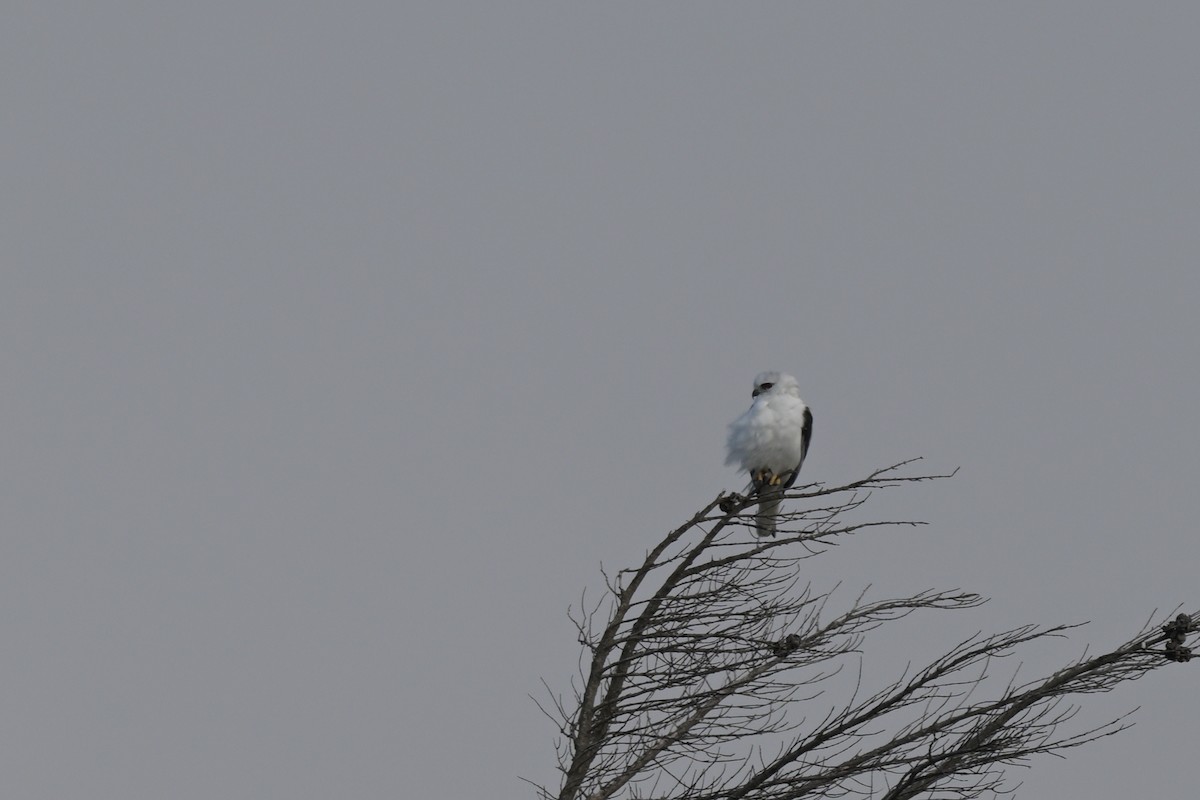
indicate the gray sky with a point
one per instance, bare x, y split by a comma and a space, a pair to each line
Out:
343, 343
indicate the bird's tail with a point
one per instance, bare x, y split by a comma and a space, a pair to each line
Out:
768, 511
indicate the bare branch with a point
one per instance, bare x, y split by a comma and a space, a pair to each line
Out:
712, 650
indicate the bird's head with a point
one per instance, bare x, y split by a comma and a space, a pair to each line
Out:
775, 383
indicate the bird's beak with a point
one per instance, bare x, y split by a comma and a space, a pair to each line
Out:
755, 393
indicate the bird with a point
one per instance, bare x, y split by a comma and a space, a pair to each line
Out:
770, 442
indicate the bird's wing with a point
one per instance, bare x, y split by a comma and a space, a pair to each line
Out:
805, 438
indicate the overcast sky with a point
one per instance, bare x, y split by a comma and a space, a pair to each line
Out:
343, 342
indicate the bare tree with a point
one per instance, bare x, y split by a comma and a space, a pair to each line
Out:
695, 682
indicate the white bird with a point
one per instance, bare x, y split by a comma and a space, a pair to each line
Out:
770, 442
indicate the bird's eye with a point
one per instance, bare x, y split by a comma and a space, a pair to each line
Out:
762, 387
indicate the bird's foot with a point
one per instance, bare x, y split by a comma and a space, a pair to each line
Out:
766, 477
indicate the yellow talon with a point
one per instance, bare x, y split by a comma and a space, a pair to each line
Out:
766, 477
